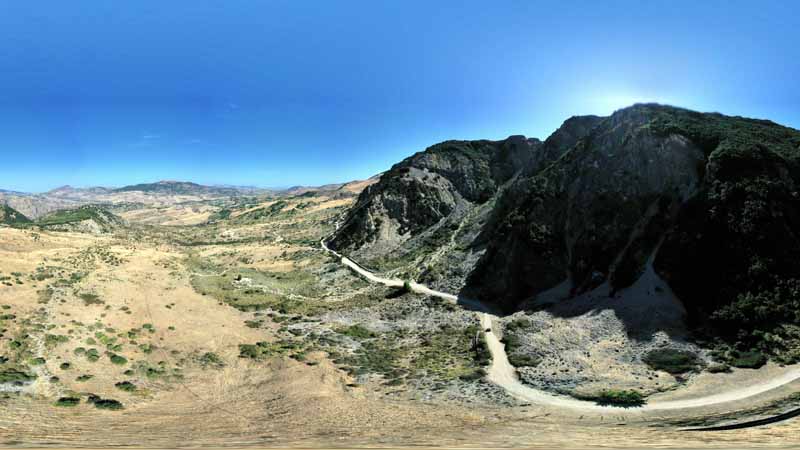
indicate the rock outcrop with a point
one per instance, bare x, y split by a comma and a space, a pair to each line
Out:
417, 204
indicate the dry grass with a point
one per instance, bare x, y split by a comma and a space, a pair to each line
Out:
163, 327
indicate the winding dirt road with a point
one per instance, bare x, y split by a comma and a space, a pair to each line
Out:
503, 374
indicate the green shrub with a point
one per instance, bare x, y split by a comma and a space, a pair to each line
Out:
109, 404
748, 360
357, 331
210, 359
147, 348
249, 351
117, 359
90, 299
518, 324
253, 323
92, 354
518, 360
262, 350
480, 350
474, 375
67, 402
126, 386
718, 368
672, 361
621, 398
15, 376
51, 340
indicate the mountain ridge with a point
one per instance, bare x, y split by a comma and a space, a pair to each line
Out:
600, 197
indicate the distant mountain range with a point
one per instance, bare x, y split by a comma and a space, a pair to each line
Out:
159, 187
158, 194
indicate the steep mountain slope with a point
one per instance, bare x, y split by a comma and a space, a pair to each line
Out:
421, 203
86, 219
716, 197
34, 206
595, 214
349, 189
10, 216
709, 202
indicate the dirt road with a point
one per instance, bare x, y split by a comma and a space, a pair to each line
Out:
503, 374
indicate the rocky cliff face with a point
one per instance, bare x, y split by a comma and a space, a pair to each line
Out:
419, 204
711, 201
594, 215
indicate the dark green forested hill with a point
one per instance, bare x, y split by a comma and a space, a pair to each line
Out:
716, 196
10, 216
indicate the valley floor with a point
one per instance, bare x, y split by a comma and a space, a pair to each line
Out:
245, 332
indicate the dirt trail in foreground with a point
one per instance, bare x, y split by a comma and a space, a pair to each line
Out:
503, 374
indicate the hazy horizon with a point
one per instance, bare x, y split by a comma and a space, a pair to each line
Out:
279, 94
253, 186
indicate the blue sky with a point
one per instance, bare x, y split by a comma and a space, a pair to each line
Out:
277, 93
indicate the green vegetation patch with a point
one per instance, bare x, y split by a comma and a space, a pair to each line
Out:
68, 216
520, 360
126, 386
357, 331
67, 402
748, 360
672, 361
15, 376
117, 359
511, 333
10, 216
260, 214
52, 340
90, 299
38, 361
612, 397
105, 403
211, 360
295, 292
448, 354
265, 350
